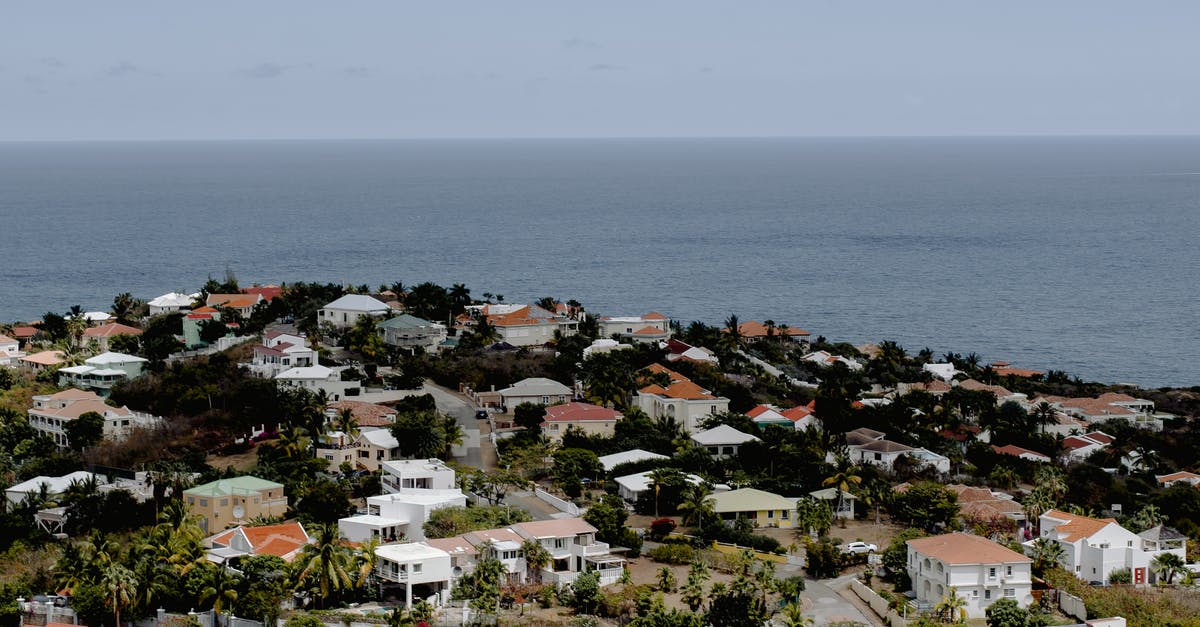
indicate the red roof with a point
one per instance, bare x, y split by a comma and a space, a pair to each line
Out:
266, 291
574, 412
24, 333
649, 331
1016, 451
112, 329
754, 328
654, 315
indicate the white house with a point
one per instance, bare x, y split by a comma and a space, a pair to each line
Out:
881, 453
536, 390
10, 351
316, 378
1080, 447
171, 302
55, 486
1094, 547
102, 371
344, 312
280, 352
631, 487
427, 474
1167, 481
574, 549
412, 333
979, 571
652, 327
679, 351
423, 571
842, 505
681, 399
826, 358
51, 413
722, 441
399, 515
1023, 453
945, 372
527, 325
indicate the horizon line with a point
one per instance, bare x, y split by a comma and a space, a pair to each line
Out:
600, 138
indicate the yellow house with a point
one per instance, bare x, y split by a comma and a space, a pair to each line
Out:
762, 509
231, 502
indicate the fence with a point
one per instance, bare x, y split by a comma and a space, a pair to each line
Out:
1072, 605
557, 503
878, 604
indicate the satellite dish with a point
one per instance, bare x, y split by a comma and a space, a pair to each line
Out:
239, 511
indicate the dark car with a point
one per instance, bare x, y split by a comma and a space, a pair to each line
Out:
481, 414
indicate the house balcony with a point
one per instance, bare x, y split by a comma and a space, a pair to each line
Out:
596, 548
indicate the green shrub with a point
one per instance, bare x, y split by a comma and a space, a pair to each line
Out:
673, 554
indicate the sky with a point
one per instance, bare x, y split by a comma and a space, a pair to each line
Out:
129, 70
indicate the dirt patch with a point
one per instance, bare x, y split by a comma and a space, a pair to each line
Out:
239, 461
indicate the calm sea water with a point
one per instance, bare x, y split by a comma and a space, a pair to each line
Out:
1077, 254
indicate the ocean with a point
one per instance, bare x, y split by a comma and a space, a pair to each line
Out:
1075, 254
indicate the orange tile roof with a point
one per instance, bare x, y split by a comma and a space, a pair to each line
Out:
1016, 451
649, 331
367, 414
688, 391
1076, 527
1177, 476
112, 329
653, 389
1017, 372
976, 386
961, 548
524, 316
571, 412
45, 358
235, 301
4, 339
654, 315
753, 328
279, 540
24, 332
661, 369
267, 292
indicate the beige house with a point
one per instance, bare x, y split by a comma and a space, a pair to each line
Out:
102, 334
51, 414
231, 502
591, 419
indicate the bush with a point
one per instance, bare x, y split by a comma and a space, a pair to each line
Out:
661, 528
1120, 575
673, 554
824, 560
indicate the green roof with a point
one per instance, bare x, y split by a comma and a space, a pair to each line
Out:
236, 485
403, 321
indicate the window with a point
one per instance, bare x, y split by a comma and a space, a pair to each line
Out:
203, 502
1008, 571
987, 594
878, 457
224, 502
1010, 592
191, 500
783, 514
416, 568
991, 573
770, 513
975, 594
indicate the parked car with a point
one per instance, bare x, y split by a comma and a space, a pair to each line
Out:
857, 548
481, 414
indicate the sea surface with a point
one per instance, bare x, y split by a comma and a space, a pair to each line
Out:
1075, 254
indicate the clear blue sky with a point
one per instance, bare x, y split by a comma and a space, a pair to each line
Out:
297, 69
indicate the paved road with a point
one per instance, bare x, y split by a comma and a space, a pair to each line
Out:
830, 607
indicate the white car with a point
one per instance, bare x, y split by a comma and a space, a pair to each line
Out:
856, 548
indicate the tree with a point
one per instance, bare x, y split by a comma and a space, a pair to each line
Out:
735, 609
120, 586
1167, 565
793, 616
86, 430
1046, 554
423, 434
530, 417
1006, 613
574, 464
1147, 517
326, 559
926, 505
324, 502
666, 579
536, 557
693, 591
696, 505
952, 608
221, 588
585, 592
608, 517
823, 559
813, 517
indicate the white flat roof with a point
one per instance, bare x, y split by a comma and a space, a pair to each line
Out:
624, 457
373, 520
410, 552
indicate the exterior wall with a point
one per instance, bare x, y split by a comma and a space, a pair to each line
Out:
425, 338
342, 318
417, 475
216, 512
512, 400
555, 430
528, 335
685, 412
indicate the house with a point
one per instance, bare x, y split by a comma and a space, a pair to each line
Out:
722, 441
399, 515
25, 334
944, 372
979, 571
1094, 547
802, 416
286, 541
831, 497
105, 332
681, 400
194, 322
679, 351
280, 352
1005, 369
242, 303
1080, 447
764, 415
863, 435
267, 292
1023, 453
54, 487
825, 358
344, 312
412, 333
171, 302
372, 447
603, 345
984, 504
416, 567
632, 487
923, 457
316, 378
628, 457
227, 502
754, 330
102, 372
1189, 478
535, 390
588, 418
1112, 406
527, 325
762, 509
51, 414
573, 549
881, 453
427, 474
1001, 393
652, 327
10, 351
366, 414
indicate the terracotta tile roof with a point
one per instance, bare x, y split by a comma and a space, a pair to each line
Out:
478, 538
649, 331
45, 358
4, 339
753, 328
525, 316
268, 292
81, 407
1017, 372
961, 548
654, 315
112, 329
688, 391
1178, 476
661, 369
282, 540
653, 389
1100, 437
235, 301
75, 394
367, 414
1114, 397
1016, 451
800, 412
976, 386
24, 333
1075, 526
572, 412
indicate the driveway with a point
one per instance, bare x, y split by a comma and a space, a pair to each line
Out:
828, 606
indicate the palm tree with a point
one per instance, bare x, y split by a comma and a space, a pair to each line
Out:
952, 608
1167, 565
220, 588
696, 506
733, 333
1148, 517
536, 558
347, 423
120, 586
875, 494
326, 558
793, 616
660, 477
844, 480
1051, 479
1046, 554
366, 560
1037, 503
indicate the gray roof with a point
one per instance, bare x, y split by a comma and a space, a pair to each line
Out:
536, 386
1160, 533
358, 302
721, 434
404, 321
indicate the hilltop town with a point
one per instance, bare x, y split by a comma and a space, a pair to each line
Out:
318, 454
